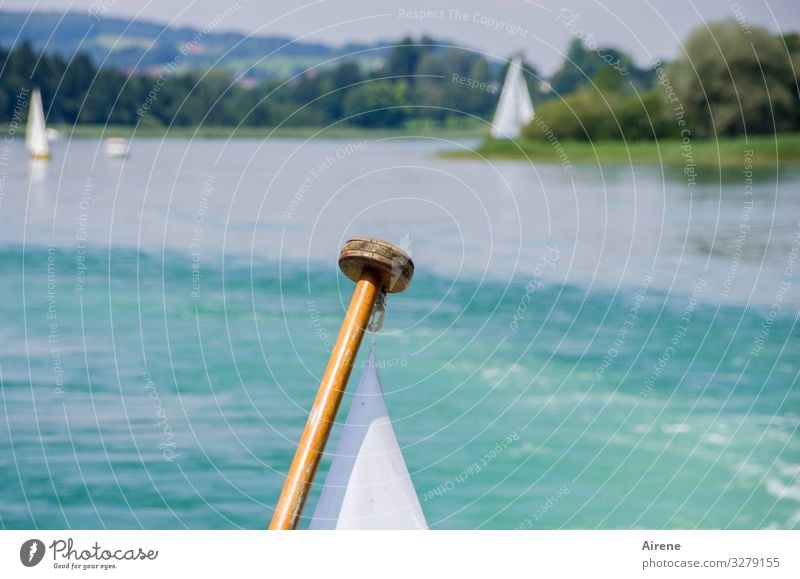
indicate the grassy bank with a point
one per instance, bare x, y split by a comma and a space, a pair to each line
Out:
460, 131
729, 152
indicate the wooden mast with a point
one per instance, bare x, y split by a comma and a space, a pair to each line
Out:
376, 266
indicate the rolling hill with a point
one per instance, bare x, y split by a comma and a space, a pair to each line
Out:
144, 46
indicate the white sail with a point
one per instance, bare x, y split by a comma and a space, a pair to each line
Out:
36, 131
515, 108
368, 485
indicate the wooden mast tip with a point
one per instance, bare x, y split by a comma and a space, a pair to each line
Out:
394, 265
375, 266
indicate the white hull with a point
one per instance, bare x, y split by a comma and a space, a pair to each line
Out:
116, 148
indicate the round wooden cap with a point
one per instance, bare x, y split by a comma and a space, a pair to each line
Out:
392, 263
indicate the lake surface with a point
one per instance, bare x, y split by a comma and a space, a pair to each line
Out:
613, 347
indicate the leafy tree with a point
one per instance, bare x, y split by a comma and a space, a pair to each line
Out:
403, 59
482, 102
430, 91
344, 77
609, 81
578, 67
792, 44
582, 64
347, 74
376, 104
588, 115
99, 99
731, 81
644, 116
309, 86
77, 76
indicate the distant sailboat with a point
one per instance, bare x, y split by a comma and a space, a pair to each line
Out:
36, 131
515, 108
368, 485
116, 148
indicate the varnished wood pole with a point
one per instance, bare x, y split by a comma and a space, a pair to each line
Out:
375, 265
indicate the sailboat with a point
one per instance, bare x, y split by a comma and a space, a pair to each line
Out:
515, 108
116, 148
368, 485
36, 131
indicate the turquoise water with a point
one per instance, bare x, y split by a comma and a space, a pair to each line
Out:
584, 349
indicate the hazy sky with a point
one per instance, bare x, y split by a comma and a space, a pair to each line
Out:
649, 29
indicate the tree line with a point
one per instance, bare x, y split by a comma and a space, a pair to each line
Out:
731, 80
724, 85
420, 81
414, 83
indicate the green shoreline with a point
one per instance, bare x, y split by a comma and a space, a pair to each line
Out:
760, 150
767, 150
222, 132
